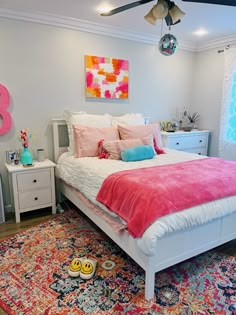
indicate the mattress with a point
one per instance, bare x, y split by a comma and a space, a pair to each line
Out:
87, 175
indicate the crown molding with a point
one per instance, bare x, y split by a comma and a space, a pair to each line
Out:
218, 43
85, 26
95, 28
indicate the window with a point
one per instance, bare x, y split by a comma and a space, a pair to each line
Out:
231, 123
227, 138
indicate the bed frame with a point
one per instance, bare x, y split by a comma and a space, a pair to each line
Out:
170, 249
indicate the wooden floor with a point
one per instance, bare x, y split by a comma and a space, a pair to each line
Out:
32, 218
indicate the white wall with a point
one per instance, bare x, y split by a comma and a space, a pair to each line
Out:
207, 93
43, 69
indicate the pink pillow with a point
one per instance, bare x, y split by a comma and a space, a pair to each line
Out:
112, 149
134, 132
86, 139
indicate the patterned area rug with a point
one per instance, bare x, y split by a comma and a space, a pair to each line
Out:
34, 279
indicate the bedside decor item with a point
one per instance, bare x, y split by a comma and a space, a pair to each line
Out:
106, 77
26, 156
40, 155
193, 119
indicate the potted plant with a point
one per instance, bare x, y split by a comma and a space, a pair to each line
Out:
193, 119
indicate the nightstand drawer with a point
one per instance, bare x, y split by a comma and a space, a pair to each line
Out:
187, 142
32, 180
35, 198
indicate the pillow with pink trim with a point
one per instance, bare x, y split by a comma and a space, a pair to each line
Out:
86, 139
112, 149
134, 132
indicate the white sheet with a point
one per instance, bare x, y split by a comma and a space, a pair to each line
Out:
88, 174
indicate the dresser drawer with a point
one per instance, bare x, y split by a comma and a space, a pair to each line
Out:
187, 142
199, 151
34, 198
32, 180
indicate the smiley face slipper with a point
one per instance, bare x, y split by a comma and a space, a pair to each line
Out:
88, 269
75, 267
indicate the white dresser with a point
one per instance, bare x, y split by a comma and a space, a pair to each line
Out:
190, 141
33, 187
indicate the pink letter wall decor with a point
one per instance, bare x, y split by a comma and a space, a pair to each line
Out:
4, 114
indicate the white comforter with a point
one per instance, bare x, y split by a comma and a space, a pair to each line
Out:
88, 174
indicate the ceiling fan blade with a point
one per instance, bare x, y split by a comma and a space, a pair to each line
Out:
125, 7
222, 2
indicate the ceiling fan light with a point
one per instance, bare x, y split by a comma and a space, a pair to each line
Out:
176, 14
160, 10
150, 18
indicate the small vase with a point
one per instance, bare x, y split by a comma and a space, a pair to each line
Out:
26, 157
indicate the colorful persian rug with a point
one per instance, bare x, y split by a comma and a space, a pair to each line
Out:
34, 276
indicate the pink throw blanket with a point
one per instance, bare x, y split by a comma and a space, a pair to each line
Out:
141, 196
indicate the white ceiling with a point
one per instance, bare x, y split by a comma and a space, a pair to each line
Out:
220, 21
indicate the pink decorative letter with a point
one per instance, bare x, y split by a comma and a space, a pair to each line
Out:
4, 103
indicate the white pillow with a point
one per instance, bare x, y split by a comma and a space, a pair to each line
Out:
84, 119
128, 119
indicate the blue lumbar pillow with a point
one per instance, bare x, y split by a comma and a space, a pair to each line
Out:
142, 152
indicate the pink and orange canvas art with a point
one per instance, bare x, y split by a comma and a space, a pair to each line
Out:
106, 77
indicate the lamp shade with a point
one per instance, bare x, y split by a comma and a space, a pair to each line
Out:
176, 14
160, 10
150, 18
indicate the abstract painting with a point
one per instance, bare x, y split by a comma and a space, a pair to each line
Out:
106, 77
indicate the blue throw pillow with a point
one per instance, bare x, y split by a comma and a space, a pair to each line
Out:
139, 153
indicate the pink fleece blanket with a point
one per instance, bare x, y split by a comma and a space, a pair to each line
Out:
143, 195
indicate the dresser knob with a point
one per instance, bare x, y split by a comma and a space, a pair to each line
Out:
200, 141
35, 181
177, 143
36, 198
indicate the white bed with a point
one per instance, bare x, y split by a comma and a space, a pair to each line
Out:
168, 240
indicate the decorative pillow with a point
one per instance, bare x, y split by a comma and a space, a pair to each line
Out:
139, 153
84, 119
134, 132
114, 148
86, 139
128, 119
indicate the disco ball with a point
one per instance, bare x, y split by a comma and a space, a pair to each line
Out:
168, 45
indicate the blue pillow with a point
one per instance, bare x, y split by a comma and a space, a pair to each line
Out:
139, 153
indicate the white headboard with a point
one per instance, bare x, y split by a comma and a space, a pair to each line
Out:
59, 148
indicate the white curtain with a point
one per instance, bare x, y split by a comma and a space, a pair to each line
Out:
227, 140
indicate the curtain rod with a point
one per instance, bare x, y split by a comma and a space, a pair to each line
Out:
222, 50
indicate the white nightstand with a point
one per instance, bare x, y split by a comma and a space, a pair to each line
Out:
32, 187
189, 141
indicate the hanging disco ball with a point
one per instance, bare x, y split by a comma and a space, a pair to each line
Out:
168, 45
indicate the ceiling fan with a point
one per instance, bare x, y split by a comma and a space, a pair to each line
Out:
165, 9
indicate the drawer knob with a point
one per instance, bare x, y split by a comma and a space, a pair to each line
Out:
200, 141
199, 153
35, 181
177, 143
36, 198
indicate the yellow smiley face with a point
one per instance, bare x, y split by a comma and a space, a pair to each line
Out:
87, 267
75, 265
